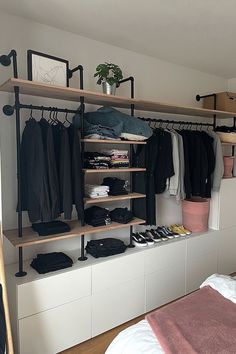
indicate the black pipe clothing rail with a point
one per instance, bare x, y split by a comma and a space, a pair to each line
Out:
181, 122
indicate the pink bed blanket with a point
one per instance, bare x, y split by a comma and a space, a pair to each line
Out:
202, 322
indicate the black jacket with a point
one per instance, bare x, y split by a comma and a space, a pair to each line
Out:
34, 183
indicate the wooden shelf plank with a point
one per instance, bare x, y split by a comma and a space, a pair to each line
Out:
72, 94
114, 198
31, 238
228, 144
127, 142
112, 170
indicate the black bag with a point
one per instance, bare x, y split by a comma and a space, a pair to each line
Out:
105, 247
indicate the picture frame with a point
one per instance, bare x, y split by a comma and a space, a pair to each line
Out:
47, 69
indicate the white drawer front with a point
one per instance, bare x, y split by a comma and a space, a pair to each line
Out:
164, 286
166, 256
202, 244
199, 268
117, 305
44, 294
117, 271
55, 330
227, 251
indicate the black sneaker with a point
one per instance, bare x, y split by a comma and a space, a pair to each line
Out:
168, 233
139, 241
154, 236
147, 238
162, 234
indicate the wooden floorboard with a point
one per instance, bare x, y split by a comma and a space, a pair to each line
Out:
99, 344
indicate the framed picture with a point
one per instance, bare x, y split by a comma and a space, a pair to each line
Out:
47, 69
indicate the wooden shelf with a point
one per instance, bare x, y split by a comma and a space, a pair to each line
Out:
71, 94
228, 144
114, 198
32, 238
112, 170
127, 142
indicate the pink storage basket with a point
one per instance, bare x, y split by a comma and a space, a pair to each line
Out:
195, 212
228, 166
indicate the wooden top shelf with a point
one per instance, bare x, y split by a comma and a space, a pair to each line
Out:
30, 237
114, 198
111, 170
127, 142
72, 94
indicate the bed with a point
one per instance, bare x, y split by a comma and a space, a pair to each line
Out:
140, 338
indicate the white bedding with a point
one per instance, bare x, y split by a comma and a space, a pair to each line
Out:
140, 339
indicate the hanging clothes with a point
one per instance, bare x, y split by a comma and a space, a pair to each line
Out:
34, 183
76, 170
51, 168
51, 176
219, 162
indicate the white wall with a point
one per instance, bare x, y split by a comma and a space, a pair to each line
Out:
155, 79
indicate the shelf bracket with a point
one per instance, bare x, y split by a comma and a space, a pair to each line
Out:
81, 74
198, 98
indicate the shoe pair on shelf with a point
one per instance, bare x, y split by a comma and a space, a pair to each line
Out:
142, 239
180, 229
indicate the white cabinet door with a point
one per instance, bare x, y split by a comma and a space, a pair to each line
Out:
227, 251
55, 330
164, 286
166, 256
201, 259
164, 274
117, 305
227, 203
55, 290
117, 271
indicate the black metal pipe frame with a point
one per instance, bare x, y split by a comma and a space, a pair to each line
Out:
82, 109
81, 74
181, 122
198, 98
7, 60
131, 79
9, 110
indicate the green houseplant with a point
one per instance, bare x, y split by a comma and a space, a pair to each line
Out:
108, 75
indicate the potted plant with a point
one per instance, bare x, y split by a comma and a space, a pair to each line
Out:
109, 76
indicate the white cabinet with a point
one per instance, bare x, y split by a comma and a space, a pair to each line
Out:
227, 251
164, 274
53, 291
52, 331
222, 213
117, 291
117, 305
201, 259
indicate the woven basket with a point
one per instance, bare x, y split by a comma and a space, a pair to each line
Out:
227, 137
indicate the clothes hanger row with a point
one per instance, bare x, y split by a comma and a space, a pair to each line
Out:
53, 115
180, 124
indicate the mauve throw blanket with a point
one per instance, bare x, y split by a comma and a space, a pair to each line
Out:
202, 322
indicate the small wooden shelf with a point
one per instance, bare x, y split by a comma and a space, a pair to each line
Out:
112, 170
72, 94
114, 198
31, 238
127, 142
228, 144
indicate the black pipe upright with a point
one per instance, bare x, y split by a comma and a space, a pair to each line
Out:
20, 273
82, 109
131, 79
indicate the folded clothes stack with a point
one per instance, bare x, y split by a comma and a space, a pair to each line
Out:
96, 160
121, 215
105, 247
50, 262
51, 227
119, 158
96, 191
97, 216
116, 186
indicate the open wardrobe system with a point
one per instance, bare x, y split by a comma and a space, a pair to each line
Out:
76, 169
